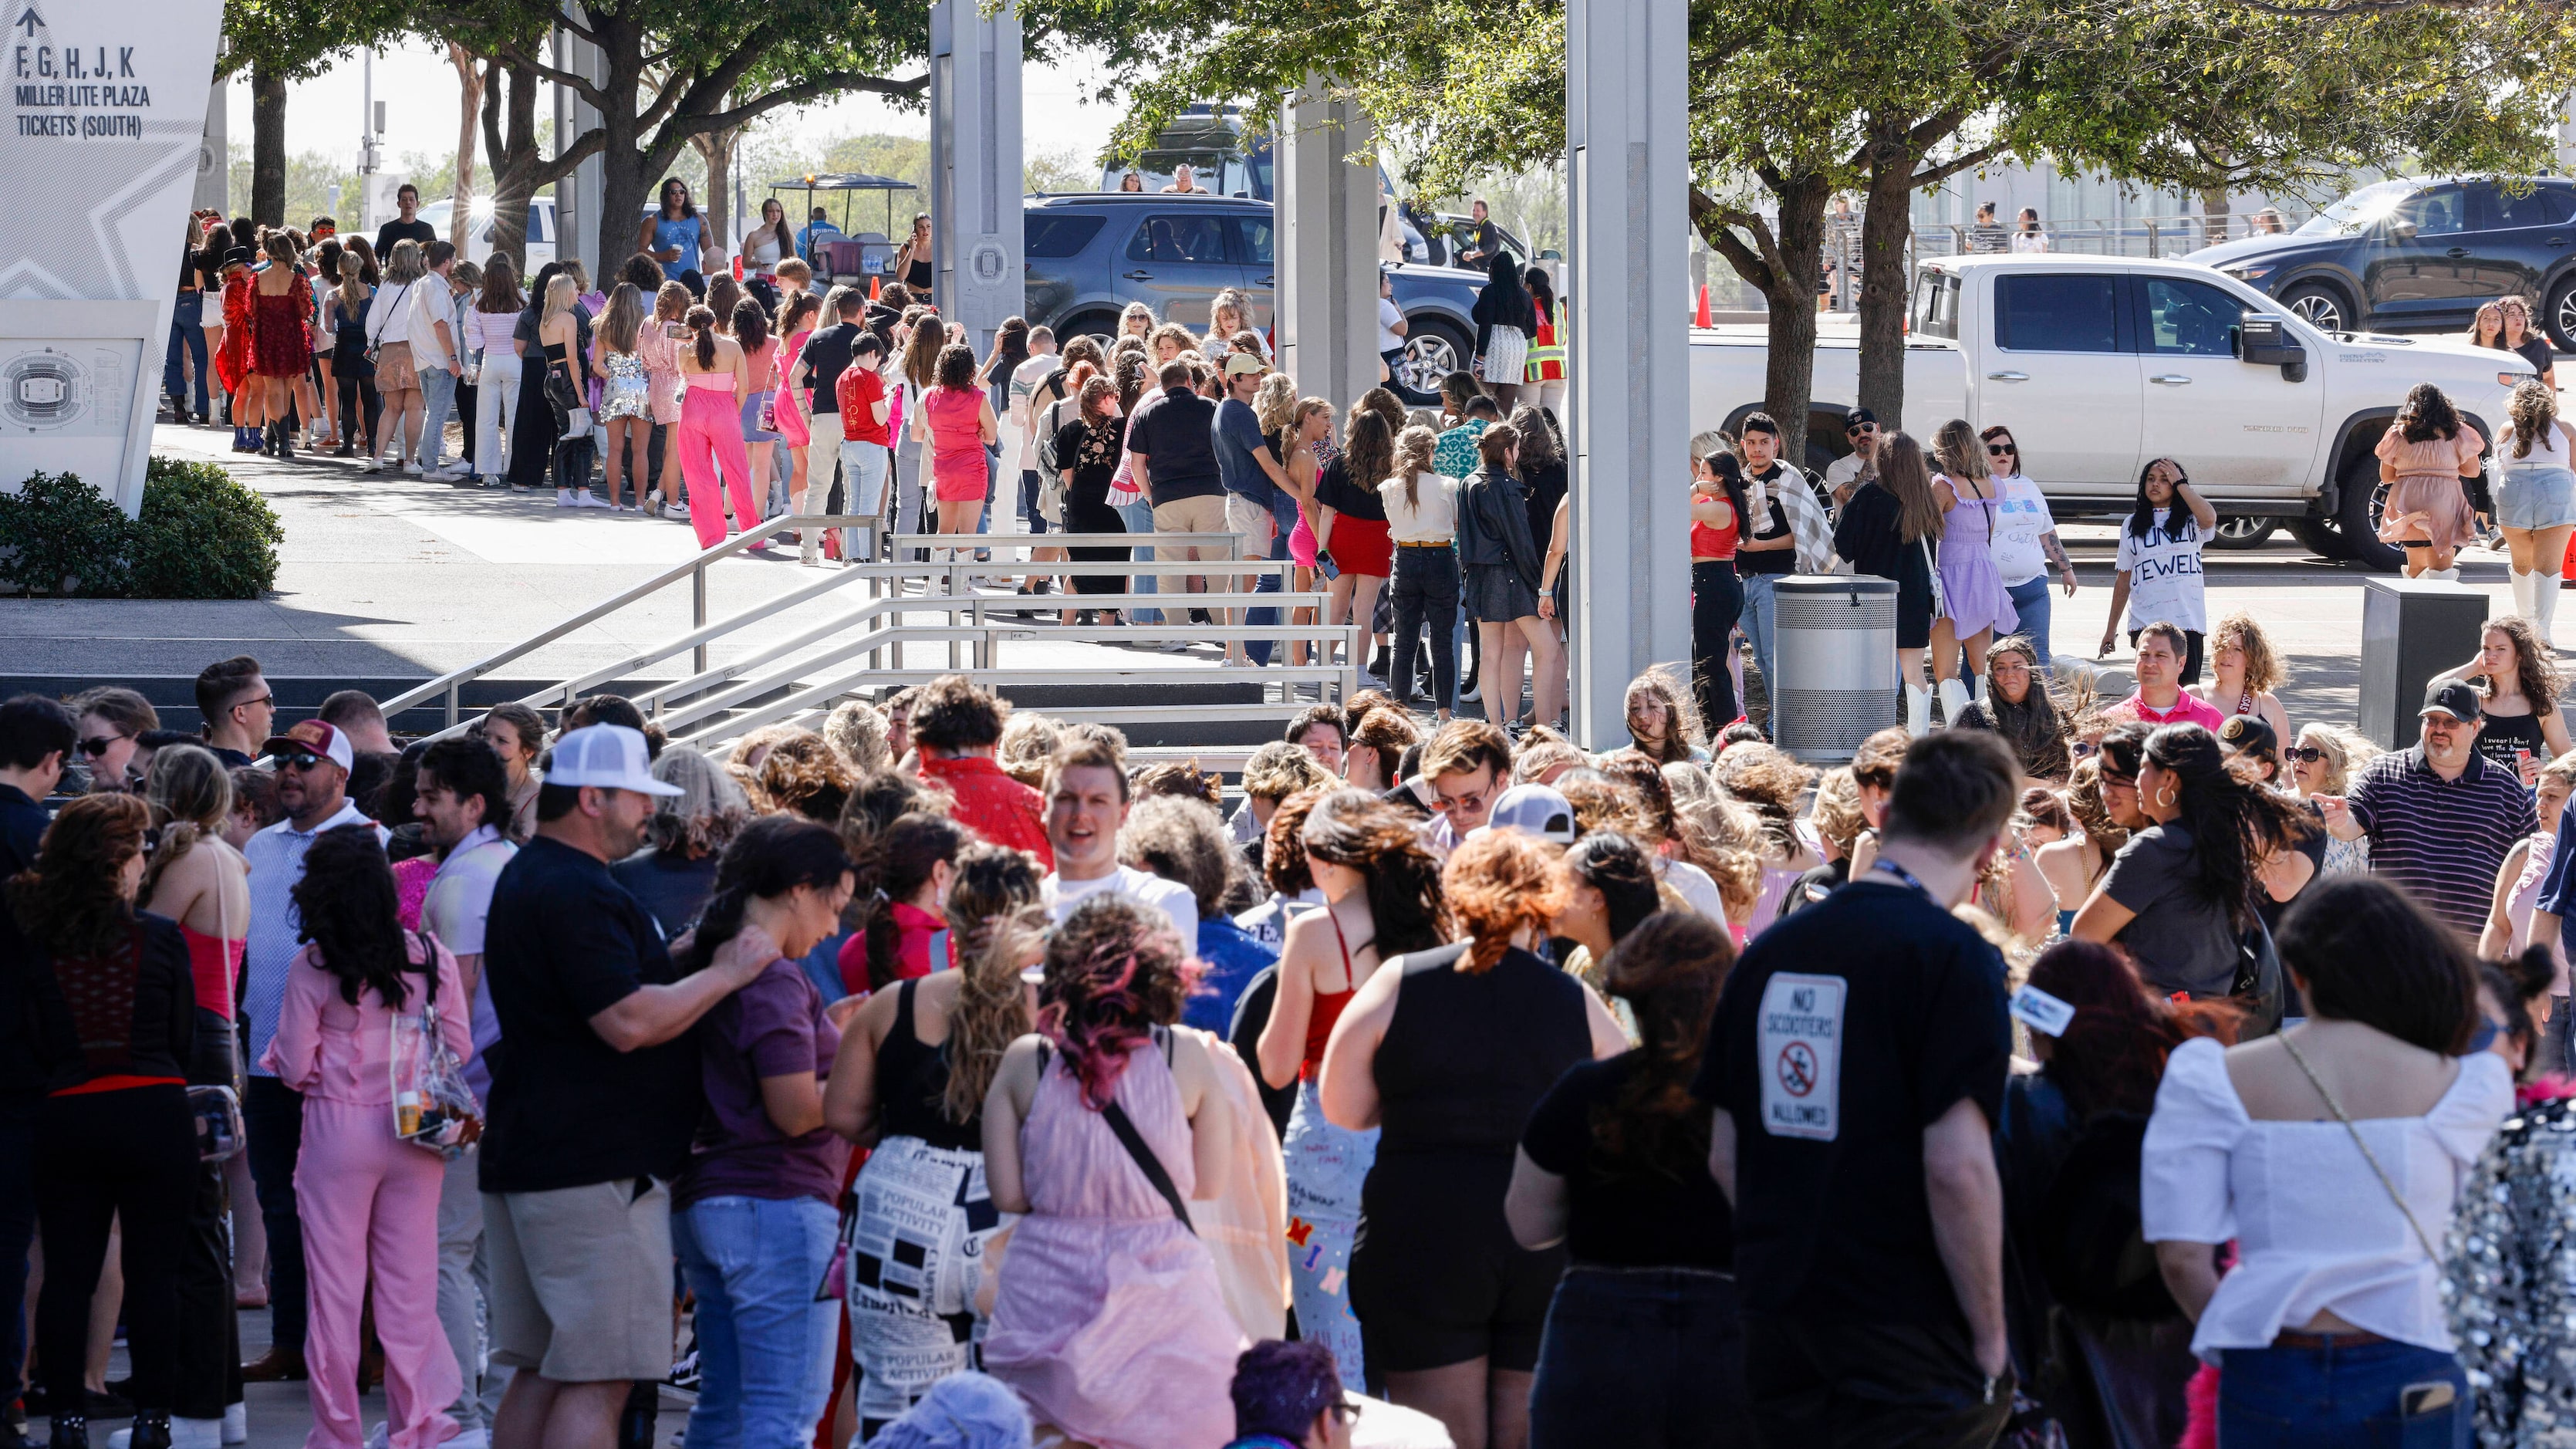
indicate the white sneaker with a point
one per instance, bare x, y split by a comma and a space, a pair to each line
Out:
373, 465
458, 469
412, 466
563, 498
584, 498
236, 1428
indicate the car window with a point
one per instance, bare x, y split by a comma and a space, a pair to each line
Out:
1060, 234
2542, 206
2190, 318
1177, 239
1252, 236
1936, 306
2438, 212
2057, 312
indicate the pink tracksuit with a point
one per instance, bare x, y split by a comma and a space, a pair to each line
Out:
365, 1196
710, 436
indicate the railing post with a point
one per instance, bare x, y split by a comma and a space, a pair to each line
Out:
452, 686
698, 615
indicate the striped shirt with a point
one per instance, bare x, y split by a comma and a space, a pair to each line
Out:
2442, 840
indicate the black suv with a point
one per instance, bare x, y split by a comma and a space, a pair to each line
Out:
1091, 254
2419, 254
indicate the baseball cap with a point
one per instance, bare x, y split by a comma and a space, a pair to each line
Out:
316, 737
1242, 363
1534, 810
2248, 735
2455, 699
1856, 417
606, 757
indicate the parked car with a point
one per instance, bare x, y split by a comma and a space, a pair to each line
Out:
478, 243
2420, 253
1211, 142
1089, 255
2099, 364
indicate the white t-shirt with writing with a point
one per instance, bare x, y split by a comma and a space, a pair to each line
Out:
1060, 896
2021, 516
2164, 574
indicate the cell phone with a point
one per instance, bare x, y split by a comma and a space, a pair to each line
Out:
675, 330
2418, 1399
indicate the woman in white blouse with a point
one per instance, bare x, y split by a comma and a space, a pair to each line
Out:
1422, 522
2331, 1155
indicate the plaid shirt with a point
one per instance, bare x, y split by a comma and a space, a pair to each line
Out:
1808, 521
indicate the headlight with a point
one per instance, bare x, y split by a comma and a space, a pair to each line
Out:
2514, 379
2251, 272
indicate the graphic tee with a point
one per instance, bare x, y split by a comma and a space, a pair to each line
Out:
2164, 574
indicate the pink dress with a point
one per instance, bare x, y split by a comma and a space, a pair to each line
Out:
2428, 481
956, 443
791, 400
661, 370
1110, 1320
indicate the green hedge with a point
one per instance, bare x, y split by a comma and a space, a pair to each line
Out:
202, 536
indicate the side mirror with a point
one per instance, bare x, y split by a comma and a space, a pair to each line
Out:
2264, 341
2402, 231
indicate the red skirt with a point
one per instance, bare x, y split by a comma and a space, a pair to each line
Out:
1363, 546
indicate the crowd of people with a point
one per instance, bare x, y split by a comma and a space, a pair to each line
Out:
1511, 1093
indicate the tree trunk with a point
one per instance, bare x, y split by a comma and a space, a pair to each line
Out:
1789, 290
469, 103
1884, 287
510, 135
2215, 204
267, 146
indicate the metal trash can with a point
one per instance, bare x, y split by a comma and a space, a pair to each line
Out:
1835, 647
2411, 630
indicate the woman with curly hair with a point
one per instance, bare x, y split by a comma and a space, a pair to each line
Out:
111, 1030
687, 832
1614, 1166
752, 1215
1768, 781
2519, 697
805, 776
1382, 898
1709, 851
1662, 723
2244, 672
909, 1084
366, 1198
1110, 1319
2426, 451
1445, 1052
2181, 894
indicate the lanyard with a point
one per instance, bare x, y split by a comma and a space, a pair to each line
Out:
1903, 876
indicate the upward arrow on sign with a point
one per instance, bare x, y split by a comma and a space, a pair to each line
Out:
29, 21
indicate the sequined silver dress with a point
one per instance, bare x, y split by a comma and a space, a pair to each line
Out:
2509, 1281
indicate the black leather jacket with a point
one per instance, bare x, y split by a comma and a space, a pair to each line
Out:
1493, 525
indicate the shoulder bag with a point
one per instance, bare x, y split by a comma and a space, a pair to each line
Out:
375, 342
1138, 1150
2367, 1155
433, 1108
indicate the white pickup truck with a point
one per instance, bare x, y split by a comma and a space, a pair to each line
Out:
2099, 364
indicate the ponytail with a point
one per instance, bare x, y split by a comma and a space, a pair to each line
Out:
702, 321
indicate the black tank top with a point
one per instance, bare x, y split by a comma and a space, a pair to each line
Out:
917, 273
2506, 733
1467, 1056
911, 1079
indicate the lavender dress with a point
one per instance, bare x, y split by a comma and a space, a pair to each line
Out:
1970, 586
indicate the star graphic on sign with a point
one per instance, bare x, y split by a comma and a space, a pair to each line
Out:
40, 265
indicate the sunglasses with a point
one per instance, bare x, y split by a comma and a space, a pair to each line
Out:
269, 698
1856, 429
1999, 450
2305, 754
300, 760
100, 744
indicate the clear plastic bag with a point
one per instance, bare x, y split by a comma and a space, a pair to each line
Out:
218, 1116
433, 1108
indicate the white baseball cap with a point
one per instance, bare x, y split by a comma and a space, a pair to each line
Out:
606, 757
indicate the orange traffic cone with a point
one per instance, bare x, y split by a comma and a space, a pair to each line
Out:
873, 284
1700, 317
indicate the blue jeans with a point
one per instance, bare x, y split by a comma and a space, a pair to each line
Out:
273, 1121
1641, 1356
188, 331
437, 401
1758, 623
2030, 600
1029, 501
1261, 650
2339, 1398
765, 1344
1139, 518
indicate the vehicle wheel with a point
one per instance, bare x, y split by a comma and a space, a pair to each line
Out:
2320, 306
2558, 311
1433, 349
2365, 500
2236, 532
2322, 536
1103, 325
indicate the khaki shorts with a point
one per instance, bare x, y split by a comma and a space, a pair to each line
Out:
581, 1281
1258, 526
1192, 515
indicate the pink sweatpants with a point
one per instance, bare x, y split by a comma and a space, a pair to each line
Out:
710, 436
365, 1196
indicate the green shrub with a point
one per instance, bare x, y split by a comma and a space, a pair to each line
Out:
63, 537
202, 535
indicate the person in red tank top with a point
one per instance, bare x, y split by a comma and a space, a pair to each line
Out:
1382, 898
1717, 595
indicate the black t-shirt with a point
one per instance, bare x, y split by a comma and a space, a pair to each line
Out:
669, 887
1773, 560
1176, 433
2314, 848
1630, 1219
2535, 350
395, 231
1844, 1031
1335, 490
565, 942
1812, 887
827, 352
